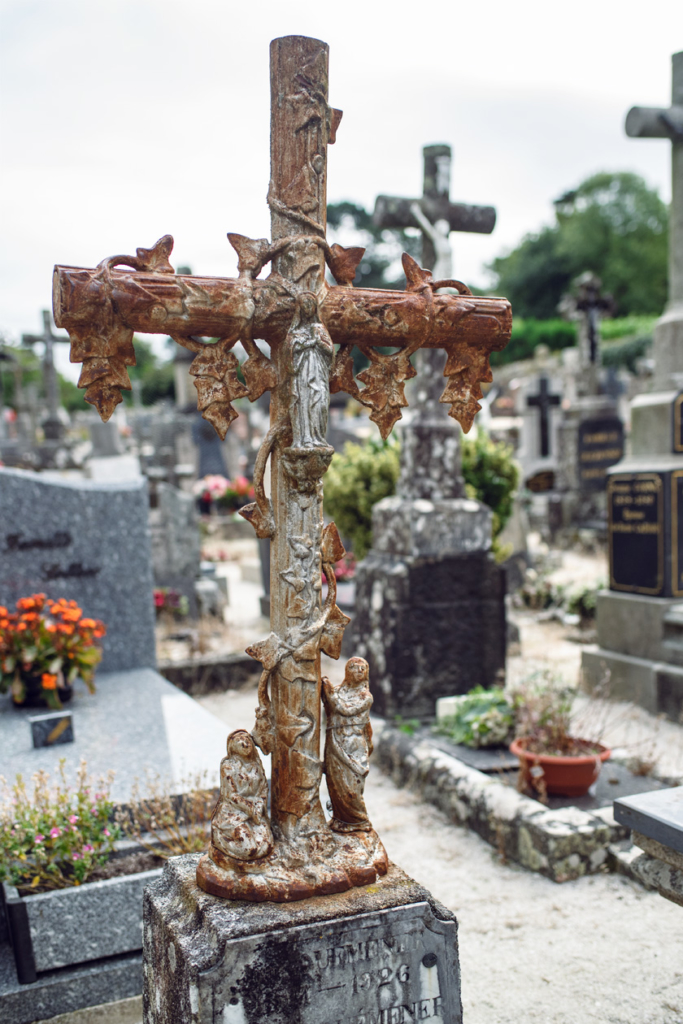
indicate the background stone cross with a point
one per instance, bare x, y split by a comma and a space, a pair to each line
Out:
544, 401
311, 328
52, 425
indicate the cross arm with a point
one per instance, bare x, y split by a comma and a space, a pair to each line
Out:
395, 212
655, 123
102, 307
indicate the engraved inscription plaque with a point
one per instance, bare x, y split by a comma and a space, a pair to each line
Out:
600, 444
392, 967
636, 532
676, 533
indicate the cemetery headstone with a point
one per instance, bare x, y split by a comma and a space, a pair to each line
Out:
294, 854
87, 542
429, 610
176, 545
640, 620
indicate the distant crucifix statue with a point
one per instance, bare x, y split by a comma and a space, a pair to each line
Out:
436, 216
588, 305
311, 329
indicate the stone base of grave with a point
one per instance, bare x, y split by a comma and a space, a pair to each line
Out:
667, 342
639, 653
332, 863
429, 627
387, 952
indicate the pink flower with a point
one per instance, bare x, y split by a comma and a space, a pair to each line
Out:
106, 832
77, 856
88, 848
38, 839
55, 832
73, 819
93, 809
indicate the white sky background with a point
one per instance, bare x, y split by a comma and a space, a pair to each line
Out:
123, 120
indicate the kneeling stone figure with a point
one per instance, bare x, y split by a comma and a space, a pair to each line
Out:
239, 826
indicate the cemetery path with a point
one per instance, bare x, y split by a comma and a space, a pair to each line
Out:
599, 949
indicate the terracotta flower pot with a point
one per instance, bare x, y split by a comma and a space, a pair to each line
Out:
562, 776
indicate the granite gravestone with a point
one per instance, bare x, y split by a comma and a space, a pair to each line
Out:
600, 445
87, 542
176, 548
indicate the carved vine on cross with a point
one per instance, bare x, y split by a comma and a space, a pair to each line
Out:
216, 367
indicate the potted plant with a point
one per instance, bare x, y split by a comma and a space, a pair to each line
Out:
237, 493
209, 489
44, 646
551, 759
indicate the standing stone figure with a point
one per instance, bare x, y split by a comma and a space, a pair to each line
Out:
239, 825
311, 353
348, 746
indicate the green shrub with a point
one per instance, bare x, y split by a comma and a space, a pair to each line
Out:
528, 333
357, 479
491, 475
482, 718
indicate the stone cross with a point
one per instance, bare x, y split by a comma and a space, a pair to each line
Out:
587, 306
667, 123
543, 401
311, 329
436, 216
52, 425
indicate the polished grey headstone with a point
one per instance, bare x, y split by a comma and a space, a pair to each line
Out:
85, 541
658, 815
136, 723
386, 953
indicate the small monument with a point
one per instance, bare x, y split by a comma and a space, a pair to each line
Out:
591, 433
429, 612
640, 617
53, 427
228, 948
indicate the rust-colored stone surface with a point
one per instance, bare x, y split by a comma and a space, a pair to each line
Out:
311, 328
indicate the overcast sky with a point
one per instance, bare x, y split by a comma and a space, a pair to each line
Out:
123, 120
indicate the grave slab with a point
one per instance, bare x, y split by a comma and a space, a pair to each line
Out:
136, 723
386, 952
88, 542
657, 815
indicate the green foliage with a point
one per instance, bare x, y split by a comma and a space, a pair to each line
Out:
583, 600
54, 837
612, 224
543, 708
359, 477
156, 376
528, 333
407, 725
491, 474
483, 718
627, 327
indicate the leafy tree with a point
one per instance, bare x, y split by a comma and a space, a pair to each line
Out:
612, 224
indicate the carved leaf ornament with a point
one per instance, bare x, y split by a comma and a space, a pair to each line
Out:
104, 344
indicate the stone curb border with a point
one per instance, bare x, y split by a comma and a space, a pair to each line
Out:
561, 844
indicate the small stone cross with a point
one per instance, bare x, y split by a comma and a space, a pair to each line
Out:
52, 425
311, 329
544, 401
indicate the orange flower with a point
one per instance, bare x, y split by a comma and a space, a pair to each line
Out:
49, 681
88, 624
30, 616
4, 623
26, 603
71, 614
21, 626
50, 627
100, 632
3, 611
65, 629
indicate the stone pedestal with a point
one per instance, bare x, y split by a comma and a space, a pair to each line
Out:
383, 954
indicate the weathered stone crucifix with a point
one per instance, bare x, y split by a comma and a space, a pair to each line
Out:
52, 426
667, 123
297, 853
435, 216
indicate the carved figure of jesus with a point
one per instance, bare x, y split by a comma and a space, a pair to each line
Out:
311, 352
348, 745
438, 234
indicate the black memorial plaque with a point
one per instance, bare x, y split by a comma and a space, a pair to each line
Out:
676, 533
677, 442
635, 504
601, 444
